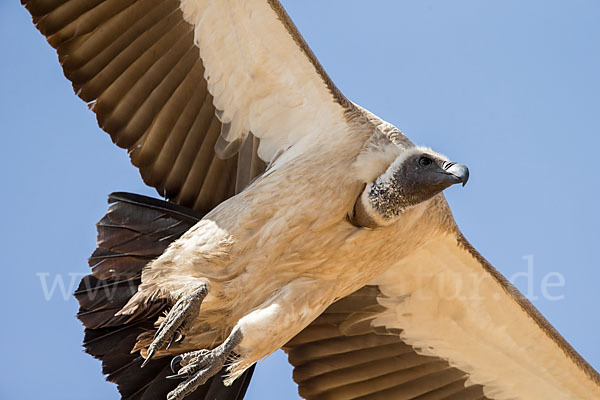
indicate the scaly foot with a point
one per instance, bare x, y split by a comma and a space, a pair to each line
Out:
196, 367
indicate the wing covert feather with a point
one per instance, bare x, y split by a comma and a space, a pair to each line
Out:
451, 303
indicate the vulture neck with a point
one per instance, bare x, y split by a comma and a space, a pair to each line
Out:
379, 204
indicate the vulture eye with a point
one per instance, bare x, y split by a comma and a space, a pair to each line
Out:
424, 161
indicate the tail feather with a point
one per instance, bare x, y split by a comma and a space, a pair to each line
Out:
97, 294
109, 265
135, 230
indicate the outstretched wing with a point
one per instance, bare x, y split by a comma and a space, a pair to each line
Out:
440, 324
201, 93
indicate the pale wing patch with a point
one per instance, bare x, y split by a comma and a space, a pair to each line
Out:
260, 78
448, 305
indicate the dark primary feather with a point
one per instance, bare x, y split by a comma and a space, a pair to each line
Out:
135, 230
135, 63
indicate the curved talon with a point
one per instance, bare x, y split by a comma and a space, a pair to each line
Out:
150, 354
201, 365
176, 360
178, 376
157, 332
176, 338
170, 342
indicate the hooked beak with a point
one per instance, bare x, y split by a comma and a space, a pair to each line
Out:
459, 172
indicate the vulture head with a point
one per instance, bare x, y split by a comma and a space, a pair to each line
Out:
415, 176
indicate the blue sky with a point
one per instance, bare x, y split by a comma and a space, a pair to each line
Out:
509, 88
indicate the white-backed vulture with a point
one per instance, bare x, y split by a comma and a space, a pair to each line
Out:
296, 219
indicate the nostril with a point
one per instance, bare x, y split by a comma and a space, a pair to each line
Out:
448, 164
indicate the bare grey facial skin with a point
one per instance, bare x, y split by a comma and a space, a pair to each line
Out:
410, 180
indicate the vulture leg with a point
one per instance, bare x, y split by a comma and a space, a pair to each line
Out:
199, 366
183, 312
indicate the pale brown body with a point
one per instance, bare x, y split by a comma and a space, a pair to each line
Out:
286, 234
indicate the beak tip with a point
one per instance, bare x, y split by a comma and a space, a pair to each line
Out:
461, 172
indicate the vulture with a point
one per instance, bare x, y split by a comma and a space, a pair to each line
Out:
294, 219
